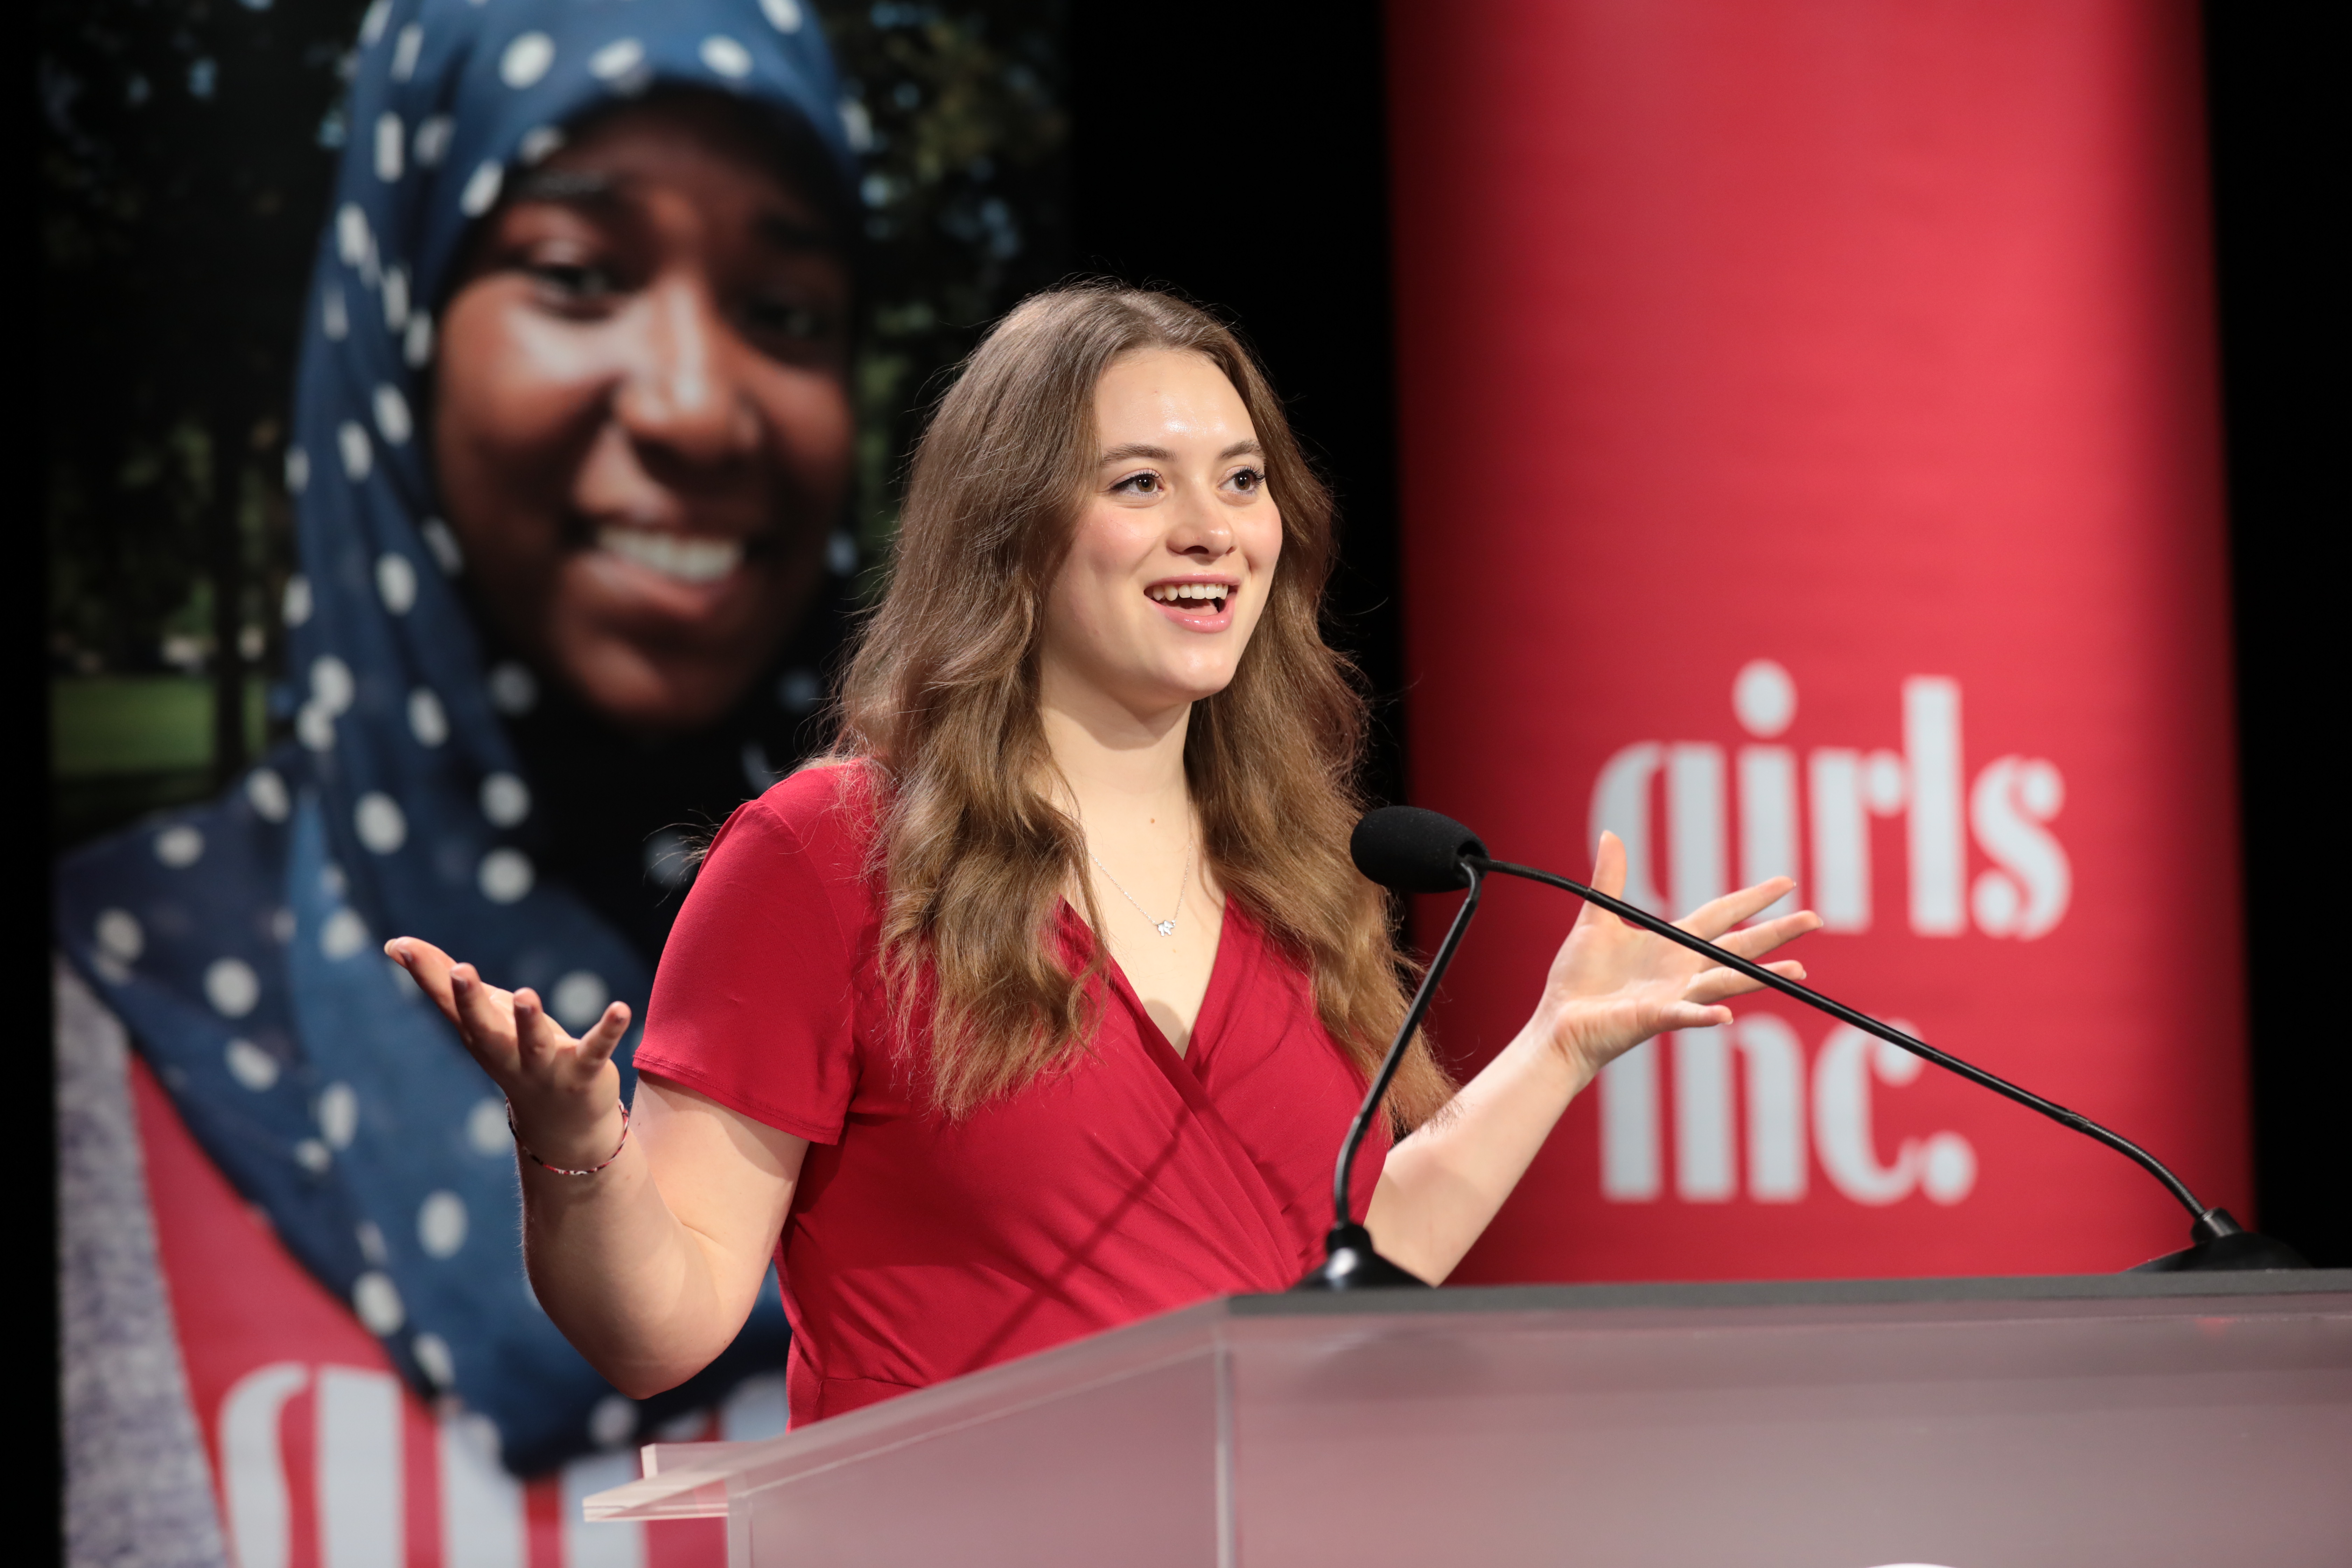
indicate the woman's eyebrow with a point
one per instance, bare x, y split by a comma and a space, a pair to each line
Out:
1242, 448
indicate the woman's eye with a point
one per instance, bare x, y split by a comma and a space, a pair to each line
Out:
1146, 483
1247, 480
576, 280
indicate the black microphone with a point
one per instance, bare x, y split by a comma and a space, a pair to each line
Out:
1412, 852
1417, 851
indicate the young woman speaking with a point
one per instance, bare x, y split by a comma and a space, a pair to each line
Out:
1041, 1007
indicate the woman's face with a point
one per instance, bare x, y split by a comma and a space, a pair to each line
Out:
1175, 545
641, 420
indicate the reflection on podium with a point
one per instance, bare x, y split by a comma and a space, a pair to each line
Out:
2149, 1419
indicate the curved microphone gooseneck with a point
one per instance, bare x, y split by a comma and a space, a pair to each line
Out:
1349, 1262
1409, 848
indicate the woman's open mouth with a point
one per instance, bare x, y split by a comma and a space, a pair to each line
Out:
1204, 605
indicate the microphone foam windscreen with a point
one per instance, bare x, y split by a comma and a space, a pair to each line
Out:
1412, 851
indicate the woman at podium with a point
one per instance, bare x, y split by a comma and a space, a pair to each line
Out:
1041, 1004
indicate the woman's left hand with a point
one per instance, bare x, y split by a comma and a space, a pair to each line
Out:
1614, 985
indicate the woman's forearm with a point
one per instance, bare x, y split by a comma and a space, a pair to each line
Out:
1443, 1185
631, 1285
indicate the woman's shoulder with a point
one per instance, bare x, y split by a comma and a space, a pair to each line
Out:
825, 814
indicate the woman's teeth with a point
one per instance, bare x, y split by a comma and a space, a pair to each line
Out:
1173, 592
683, 556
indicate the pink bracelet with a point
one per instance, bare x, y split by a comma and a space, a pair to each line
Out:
559, 1170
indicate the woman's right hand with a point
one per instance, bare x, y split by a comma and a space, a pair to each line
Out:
563, 1093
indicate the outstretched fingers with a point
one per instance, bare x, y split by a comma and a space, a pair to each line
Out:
1711, 919
1754, 941
599, 1043
1718, 984
485, 1017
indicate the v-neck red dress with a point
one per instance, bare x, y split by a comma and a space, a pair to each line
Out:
1131, 1181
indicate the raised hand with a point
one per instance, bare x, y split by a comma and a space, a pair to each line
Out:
1614, 985
564, 1093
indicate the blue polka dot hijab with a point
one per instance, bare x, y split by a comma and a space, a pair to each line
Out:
240, 942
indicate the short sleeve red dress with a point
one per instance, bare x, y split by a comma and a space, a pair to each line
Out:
1132, 1182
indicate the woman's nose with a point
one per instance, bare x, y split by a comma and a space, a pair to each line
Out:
1199, 527
681, 391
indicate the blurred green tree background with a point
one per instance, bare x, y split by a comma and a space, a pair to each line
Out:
186, 151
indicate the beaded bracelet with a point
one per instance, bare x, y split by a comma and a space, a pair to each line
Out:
559, 1170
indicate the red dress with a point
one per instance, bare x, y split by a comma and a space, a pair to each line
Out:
1131, 1181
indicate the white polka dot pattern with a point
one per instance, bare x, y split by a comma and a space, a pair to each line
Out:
390, 143
376, 1299
612, 1422
441, 1224
726, 57
443, 546
252, 1066
434, 1359
120, 936
265, 791
526, 59
485, 1126
432, 143
395, 582
178, 847
382, 825
616, 59
506, 800
343, 935
353, 446
481, 191
427, 720
505, 876
331, 684
232, 987
578, 1000
338, 1115
404, 50
514, 690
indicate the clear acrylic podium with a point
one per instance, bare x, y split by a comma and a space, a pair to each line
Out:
2132, 1419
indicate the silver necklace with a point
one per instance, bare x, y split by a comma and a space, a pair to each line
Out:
1168, 926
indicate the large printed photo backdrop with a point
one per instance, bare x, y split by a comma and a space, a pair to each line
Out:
1810, 467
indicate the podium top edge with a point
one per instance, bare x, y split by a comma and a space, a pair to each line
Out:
1795, 1294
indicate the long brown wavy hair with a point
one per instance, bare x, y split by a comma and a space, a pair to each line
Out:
941, 702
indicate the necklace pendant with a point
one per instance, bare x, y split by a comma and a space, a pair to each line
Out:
1165, 928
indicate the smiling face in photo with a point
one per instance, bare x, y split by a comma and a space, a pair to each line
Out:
641, 420
1175, 544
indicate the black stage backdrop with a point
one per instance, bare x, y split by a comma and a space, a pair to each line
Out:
1237, 154
2275, 77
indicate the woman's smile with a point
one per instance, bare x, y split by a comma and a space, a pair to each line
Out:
1203, 604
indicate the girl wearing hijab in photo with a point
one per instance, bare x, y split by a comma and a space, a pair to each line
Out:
571, 440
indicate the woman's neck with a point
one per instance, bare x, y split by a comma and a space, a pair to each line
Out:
1125, 769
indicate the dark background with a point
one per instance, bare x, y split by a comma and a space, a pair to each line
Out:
2275, 79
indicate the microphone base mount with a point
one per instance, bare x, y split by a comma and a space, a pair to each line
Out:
1351, 1264
2223, 1246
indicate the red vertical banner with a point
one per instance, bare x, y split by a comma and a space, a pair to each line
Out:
1811, 466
